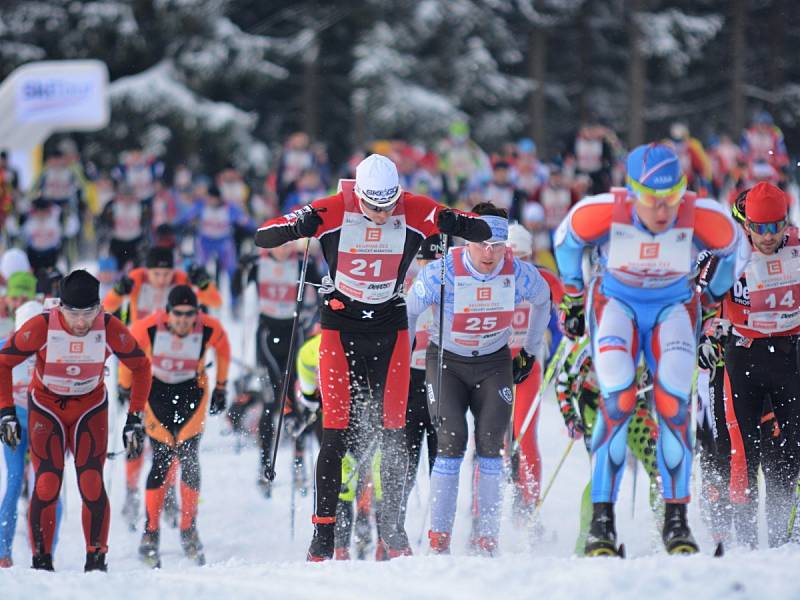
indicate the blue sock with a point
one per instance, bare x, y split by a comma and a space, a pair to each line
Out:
490, 496
444, 492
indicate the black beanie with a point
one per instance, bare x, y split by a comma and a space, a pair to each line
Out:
160, 257
431, 248
181, 295
80, 289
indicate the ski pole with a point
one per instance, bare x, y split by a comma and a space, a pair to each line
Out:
269, 471
552, 480
437, 420
546, 380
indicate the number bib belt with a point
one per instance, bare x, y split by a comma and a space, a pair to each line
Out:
643, 260
774, 285
482, 310
74, 365
175, 358
369, 255
277, 286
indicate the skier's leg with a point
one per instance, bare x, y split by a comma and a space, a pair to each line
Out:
15, 465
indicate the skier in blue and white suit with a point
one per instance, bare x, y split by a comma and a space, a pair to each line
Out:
654, 239
483, 284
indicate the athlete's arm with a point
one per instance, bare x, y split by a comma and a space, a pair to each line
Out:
124, 345
280, 230
140, 332
587, 224
423, 215
422, 294
25, 341
532, 287
219, 341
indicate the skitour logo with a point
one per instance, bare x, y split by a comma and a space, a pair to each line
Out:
52, 93
649, 250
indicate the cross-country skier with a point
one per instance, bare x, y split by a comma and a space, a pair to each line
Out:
644, 302
483, 284
68, 408
369, 232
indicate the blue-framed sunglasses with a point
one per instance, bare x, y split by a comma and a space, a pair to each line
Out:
765, 228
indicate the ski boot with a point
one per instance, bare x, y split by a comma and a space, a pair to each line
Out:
171, 511
130, 510
341, 553
396, 543
6, 562
192, 547
439, 541
42, 562
602, 537
322, 543
487, 546
148, 550
95, 561
265, 486
677, 537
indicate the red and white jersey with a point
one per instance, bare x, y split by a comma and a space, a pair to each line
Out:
140, 177
175, 358
520, 321
556, 203
74, 365
422, 337
766, 301
127, 218
151, 299
43, 232
277, 286
369, 255
215, 221
58, 183
588, 155
482, 310
641, 259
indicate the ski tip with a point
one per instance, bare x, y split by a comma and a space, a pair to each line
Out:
621, 551
719, 551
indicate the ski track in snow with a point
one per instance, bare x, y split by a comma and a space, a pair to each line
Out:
250, 553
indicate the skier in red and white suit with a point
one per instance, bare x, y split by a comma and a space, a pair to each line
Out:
370, 232
68, 408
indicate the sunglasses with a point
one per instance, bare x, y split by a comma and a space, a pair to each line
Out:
765, 228
493, 246
379, 209
76, 313
184, 313
670, 197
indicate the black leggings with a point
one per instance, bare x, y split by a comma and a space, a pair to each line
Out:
767, 370
481, 385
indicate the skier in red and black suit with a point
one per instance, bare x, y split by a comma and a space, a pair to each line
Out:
370, 232
68, 408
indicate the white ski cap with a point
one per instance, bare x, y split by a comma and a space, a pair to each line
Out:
377, 182
26, 312
520, 240
13, 261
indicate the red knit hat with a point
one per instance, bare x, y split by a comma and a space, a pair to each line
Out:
766, 203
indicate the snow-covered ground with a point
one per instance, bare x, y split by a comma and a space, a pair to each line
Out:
251, 554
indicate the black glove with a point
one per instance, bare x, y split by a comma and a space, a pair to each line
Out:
308, 221
199, 277
123, 395
706, 265
709, 353
10, 429
247, 260
219, 401
523, 363
303, 415
572, 317
124, 285
133, 436
472, 229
